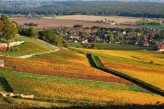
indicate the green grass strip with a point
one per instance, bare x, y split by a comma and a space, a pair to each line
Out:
147, 86
64, 80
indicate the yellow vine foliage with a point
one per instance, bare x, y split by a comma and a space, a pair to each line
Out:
80, 92
64, 63
144, 65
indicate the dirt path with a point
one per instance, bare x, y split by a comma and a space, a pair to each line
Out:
35, 54
39, 53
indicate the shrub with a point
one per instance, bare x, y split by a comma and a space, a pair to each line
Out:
151, 62
11, 49
16, 49
8, 100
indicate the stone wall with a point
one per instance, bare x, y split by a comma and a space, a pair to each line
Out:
16, 95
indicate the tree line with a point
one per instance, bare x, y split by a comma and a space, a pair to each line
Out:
8, 28
134, 9
50, 36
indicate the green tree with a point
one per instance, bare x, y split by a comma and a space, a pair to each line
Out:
93, 46
18, 15
162, 35
1, 27
32, 32
65, 44
9, 31
111, 37
56, 41
29, 16
5, 19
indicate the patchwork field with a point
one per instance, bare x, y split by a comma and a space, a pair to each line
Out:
95, 18
161, 27
143, 65
67, 75
54, 23
80, 92
63, 63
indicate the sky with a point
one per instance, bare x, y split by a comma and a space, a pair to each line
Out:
88, 0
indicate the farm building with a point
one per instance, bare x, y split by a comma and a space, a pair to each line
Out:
3, 46
84, 41
161, 47
145, 44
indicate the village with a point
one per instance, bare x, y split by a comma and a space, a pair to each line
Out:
139, 36
79, 34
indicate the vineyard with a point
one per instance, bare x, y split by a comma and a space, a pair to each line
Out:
145, 66
63, 63
80, 92
69, 75
64, 80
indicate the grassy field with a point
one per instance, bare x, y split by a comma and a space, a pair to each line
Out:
146, 66
153, 27
29, 47
112, 46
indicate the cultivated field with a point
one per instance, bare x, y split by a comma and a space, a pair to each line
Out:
54, 23
143, 65
95, 18
81, 92
63, 63
67, 75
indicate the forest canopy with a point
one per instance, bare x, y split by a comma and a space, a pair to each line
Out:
133, 9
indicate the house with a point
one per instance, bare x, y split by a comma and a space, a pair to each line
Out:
3, 46
139, 34
75, 41
2, 63
78, 26
161, 47
112, 23
146, 44
124, 33
137, 43
84, 41
118, 42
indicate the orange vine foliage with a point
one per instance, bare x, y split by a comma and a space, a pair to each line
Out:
63, 63
80, 92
